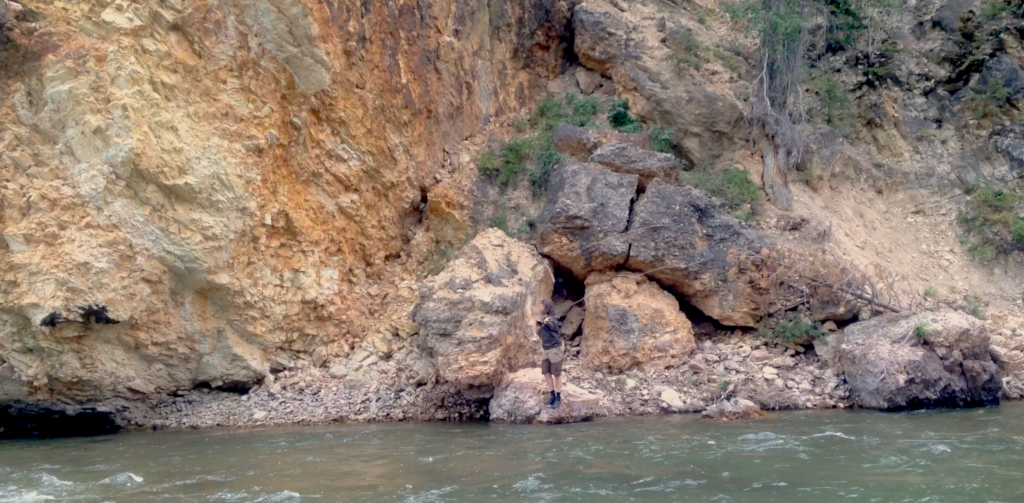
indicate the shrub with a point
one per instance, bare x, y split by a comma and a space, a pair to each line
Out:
991, 223
513, 154
930, 292
976, 307
499, 220
620, 119
570, 108
545, 160
921, 331
661, 139
582, 109
794, 328
991, 100
731, 186
487, 163
993, 9
835, 98
548, 113
528, 226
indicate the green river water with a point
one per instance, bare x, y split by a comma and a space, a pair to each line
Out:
825, 456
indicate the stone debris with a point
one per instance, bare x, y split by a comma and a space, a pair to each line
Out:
733, 410
387, 391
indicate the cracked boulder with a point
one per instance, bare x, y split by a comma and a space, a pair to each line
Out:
522, 398
630, 322
682, 240
629, 159
585, 216
477, 317
913, 361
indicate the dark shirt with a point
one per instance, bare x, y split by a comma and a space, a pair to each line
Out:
550, 333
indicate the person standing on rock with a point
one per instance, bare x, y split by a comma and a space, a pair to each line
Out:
551, 341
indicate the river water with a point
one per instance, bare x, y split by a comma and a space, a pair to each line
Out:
825, 456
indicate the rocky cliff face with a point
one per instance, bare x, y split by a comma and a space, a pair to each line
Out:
190, 192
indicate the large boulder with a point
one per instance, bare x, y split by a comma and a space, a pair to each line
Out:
913, 361
600, 36
522, 398
585, 216
646, 164
478, 315
630, 321
682, 240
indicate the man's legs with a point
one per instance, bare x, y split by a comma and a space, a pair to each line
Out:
556, 386
545, 369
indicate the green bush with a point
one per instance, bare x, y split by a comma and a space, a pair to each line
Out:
620, 119
991, 223
582, 109
514, 154
731, 186
487, 163
570, 108
835, 98
990, 101
930, 292
661, 139
528, 226
921, 331
499, 220
792, 329
976, 307
545, 160
993, 9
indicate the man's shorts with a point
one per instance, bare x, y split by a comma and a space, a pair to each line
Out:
552, 362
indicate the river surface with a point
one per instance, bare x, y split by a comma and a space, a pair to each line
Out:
825, 456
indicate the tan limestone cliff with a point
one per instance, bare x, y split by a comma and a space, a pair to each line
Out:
231, 181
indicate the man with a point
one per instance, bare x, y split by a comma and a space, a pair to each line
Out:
551, 341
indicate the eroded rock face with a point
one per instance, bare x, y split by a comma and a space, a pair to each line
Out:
907, 361
600, 36
232, 180
648, 165
688, 245
478, 316
522, 398
706, 123
631, 321
585, 216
